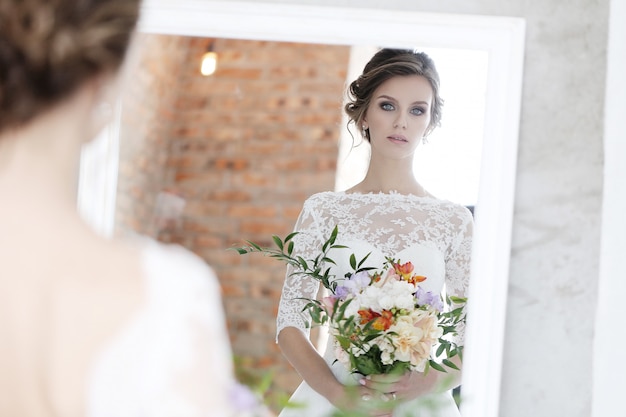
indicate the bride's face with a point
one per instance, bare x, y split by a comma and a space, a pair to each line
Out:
398, 115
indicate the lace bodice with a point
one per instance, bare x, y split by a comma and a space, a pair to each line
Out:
433, 234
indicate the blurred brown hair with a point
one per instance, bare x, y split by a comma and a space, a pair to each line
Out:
49, 48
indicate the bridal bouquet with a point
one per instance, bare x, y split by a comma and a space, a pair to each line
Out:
381, 319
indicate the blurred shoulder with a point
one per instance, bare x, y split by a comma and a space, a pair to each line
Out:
175, 269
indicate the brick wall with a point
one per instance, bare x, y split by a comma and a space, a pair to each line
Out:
243, 148
145, 130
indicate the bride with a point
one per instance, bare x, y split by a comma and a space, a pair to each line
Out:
89, 327
395, 104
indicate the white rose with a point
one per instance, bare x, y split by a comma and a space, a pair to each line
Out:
387, 350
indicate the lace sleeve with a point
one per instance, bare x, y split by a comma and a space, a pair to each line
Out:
173, 358
458, 259
307, 244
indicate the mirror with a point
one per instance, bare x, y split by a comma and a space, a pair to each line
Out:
501, 38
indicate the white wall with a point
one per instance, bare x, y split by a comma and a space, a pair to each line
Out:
609, 366
556, 231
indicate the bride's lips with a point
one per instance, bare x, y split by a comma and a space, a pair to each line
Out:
397, 138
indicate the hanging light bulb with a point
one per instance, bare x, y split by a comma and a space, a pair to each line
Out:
209, 64
209, 61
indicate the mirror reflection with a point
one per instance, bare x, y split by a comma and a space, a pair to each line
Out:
206, 161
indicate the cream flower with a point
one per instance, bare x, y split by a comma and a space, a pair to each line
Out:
415, 335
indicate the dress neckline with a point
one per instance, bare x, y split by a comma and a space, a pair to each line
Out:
371, 194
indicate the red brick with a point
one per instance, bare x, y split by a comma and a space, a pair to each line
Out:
191, 102
231, 196
236, 164
230, 290
248, 211
211, 242
292, 212
264, 227
238, 73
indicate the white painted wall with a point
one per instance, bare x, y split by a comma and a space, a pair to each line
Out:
610, 334
556, 234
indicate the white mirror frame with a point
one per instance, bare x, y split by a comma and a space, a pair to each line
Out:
501, 37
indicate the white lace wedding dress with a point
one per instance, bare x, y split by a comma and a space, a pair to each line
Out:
434, 235
172, 358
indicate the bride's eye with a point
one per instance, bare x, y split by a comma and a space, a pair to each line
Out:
387, 106
418, 111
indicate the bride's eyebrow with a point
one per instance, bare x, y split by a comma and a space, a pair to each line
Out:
384, 96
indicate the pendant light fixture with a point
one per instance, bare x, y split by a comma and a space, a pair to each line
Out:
209, 61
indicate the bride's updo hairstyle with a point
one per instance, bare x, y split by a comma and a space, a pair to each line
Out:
386, 64
49, 48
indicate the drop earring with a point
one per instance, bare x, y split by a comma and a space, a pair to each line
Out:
364, 132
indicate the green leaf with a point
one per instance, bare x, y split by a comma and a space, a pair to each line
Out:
353, 261
440, 349
265, 383
278, 242
333, 235
436, 366
290, 248
371, 337
449, 329
450, 364
344, 342
255, 246
457, 311
364, 259
302, 263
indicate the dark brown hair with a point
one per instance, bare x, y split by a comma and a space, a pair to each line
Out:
49, 48
386, 64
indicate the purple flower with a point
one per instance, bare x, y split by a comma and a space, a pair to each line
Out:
424, 297
353, 285
243, 398
361, 279
341, 292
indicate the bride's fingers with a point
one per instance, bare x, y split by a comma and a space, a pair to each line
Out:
386, 383
376, 385
373, 403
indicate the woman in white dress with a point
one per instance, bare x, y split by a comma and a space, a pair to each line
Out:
89, 326
394, 104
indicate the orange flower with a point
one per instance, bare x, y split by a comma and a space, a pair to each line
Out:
405, 271
383, 322
367, 315
416, 279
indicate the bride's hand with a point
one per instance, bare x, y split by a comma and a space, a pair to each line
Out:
360, 398
409, 385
